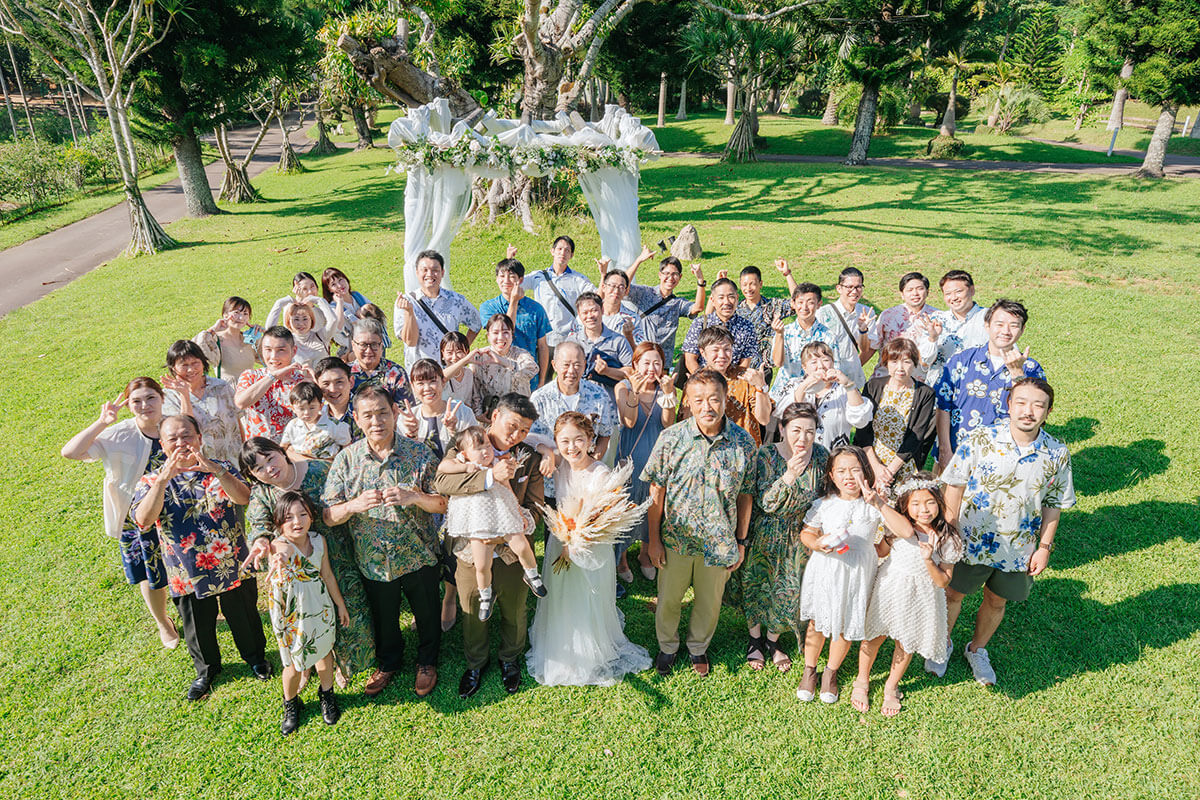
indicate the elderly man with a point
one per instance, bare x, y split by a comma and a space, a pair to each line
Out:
701, 475
607, 353
370, 368
263, 393
557, 288
1006, 487
381, 488
962, 323
972, 389
518, 463
193, 501
530, 323
746, 351
423, 317
659, 308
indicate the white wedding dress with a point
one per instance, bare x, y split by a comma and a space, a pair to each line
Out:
578, 637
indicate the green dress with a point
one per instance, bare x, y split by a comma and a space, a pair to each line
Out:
775, 558
354, 648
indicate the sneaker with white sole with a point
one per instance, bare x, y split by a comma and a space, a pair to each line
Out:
938, 668
981, 665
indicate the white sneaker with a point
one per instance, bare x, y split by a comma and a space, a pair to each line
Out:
804, 696
938, 668
626, 575
981, 665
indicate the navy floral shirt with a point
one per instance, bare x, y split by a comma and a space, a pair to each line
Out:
390, 375
974, 392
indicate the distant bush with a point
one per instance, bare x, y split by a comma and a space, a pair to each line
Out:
944, 147
938, 101
892, 106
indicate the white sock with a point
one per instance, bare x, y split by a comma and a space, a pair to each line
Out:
485, 593
531, 573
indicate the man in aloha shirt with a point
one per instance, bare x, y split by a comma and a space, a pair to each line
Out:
701, 474
381, 488
761, 311
746, 350
263, 393
193, 501
370, 368
569, 283
1007, 486
962, 323
660, 310
414, 327
973, 387
567, 392
795, 336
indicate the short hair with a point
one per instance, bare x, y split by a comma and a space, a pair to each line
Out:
432, 255
299, 276
141, 383
570, 243
373, 391
426, 370
589, 297
233, 303
581, 421
367, 325
188, 418
1010, 306
503, 318
570, 343
1040, 384
827, 486
372, 311
284, 504
327, 277
474, 435
851, 272
329, 363
647, 347
806, 288
255, 447
900, 347
751, 270
294, 308
452, 337
717, 284
281, 333
306, 392
670, 261
913, 276
816, 348
799, 411
624, 278
707, 377
510, 265
185, 348
714, 335
518, 404
956, 275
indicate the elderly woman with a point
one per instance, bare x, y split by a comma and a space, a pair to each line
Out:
501, 367
272, 473
912, 320
128, 450
788, 478
231, 343
368, 340
904, 423
190, 390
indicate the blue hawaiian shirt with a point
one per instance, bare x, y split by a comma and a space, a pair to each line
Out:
795, 339
532, 322
745, 341
974, 392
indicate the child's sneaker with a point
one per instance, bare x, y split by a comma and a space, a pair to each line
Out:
981, 665
485, 607
535, 584
938, 668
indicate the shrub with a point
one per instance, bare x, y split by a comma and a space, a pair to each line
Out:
938, 101
1018, 105
944, 147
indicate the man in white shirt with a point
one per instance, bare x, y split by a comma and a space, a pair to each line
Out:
962, 322
420, 319
557, 289
850, 321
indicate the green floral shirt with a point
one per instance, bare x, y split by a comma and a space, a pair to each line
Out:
389, 541
703, 480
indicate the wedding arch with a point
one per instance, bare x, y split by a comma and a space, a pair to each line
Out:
443, 158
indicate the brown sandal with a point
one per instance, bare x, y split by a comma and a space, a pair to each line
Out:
778, 655
859, 697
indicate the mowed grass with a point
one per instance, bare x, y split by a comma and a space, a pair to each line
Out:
1098, 671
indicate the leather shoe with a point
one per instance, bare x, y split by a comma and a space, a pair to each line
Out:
700, 664
378, 681
199, 689
510, 673
426, 679
263, 670
469, 684
663, 662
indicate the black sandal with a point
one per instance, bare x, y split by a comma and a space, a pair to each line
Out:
774, 647
757, 644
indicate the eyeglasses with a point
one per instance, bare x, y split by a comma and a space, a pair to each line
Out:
369, 345
851, 287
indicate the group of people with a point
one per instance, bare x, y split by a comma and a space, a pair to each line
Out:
784, 482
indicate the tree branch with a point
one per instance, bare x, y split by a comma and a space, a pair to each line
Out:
755, 16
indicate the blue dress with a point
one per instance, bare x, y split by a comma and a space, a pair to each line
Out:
636, 443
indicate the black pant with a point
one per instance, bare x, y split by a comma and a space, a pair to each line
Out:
421, 590
199, 617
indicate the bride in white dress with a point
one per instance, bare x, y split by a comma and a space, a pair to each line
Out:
577, 637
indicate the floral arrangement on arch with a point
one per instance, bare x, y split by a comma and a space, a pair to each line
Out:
550, 160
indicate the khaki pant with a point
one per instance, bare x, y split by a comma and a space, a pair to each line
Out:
510, 593
708, 584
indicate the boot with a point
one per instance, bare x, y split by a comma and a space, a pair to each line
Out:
291, 715
329, 706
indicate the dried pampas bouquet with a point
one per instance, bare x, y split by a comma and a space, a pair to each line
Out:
593, 511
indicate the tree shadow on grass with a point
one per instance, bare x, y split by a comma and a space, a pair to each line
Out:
1076, 429
1116, 530
1111, 468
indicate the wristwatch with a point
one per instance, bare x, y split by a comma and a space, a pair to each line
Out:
1049, 548
702, 283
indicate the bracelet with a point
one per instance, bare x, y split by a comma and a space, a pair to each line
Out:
667, 401
702, 283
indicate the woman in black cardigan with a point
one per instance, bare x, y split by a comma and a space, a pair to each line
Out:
904, 423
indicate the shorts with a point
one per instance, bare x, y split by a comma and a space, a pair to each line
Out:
1012, 586
141, 556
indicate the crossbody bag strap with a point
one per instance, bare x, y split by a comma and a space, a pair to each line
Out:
429, 313
561, 298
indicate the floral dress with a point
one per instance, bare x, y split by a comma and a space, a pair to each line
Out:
770, 580
141, 553
302, 612
891, 421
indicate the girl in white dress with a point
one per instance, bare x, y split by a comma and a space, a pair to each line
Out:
488, 518
306, 607
578, 637
908, 603
840, 529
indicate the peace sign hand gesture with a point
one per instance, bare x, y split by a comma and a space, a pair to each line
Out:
865, 320
110, 411
869, 494
408, 420
450, 418
697, 271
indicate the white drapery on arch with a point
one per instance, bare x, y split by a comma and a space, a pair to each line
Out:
443, 158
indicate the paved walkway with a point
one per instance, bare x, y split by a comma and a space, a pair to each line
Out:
32, 269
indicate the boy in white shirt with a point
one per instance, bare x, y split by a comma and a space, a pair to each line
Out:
311, 434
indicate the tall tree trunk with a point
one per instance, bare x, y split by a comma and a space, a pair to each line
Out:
595, 112
289, 162
70, 115
864, 126
1152, 165
830, 115
235, 183
681, 114
913, 117
188, 159
1116, 118
12, 118
774, 101
662, 100
949, 123
730, 102
361, 128
12, 59
83, 117
146, 236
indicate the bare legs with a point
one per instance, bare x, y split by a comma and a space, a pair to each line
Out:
156, 601
867, 652
292, 677
814, 643
991, 614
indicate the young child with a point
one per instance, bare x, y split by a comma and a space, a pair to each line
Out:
462, 387
840, 529
839, 403
908, 602
488, 518
312, 434
304, 598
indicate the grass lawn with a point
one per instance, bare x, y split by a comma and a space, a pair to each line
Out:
1098, 671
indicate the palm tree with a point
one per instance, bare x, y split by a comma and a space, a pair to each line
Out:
1003, 75
957, 62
